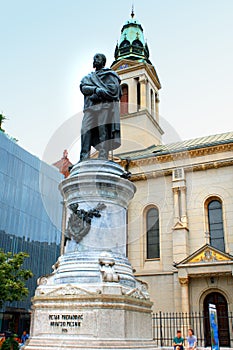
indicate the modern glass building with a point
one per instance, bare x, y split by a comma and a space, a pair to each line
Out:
30, 220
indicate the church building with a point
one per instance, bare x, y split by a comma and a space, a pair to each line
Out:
180, 222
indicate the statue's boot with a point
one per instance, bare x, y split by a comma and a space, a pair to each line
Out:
84, 156
85, 146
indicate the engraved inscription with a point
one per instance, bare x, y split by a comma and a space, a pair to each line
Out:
65, 321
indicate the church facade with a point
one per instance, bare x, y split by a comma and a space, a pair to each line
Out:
180, 222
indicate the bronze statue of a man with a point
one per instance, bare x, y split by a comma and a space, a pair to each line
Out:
101, 120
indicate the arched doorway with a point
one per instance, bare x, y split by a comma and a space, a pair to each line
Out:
223, 323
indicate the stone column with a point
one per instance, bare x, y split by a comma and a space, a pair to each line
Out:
152, 103
176, 204
157, 108
183, 204
132, 95
143, 83
184, 281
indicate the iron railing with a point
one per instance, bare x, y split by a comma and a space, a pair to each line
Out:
166, 324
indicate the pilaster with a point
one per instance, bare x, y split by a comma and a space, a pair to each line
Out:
143, 95
184, 282
180, 227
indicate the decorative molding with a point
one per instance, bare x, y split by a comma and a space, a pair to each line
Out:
107, 270
137, 66
42, 281
206, 256
178, 174
180, 226
184, 281
137, 293
168, 172
67, 289
186, 154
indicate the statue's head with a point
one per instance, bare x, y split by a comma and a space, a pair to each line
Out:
99, 61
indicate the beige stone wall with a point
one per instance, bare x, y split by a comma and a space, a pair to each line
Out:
200, 186
138, 131
161, 275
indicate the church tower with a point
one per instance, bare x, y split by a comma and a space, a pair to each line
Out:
140, 89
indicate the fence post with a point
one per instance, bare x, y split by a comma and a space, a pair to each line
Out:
161, 328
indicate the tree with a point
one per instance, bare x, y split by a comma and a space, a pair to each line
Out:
10, 344
13, 277
2, 118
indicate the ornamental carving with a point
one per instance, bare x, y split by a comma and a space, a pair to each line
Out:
42, 281
79, 223
184, 281
209, 256
138, 294
68, 290
107, 269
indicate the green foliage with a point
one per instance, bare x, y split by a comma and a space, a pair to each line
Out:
13, 277
2, 118
10, 344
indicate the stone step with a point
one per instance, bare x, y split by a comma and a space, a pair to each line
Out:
75, 343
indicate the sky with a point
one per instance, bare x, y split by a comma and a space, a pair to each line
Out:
47, 46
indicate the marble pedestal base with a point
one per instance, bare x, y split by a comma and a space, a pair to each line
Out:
92, 300
106, 317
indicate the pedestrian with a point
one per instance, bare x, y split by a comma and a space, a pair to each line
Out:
24, 337
191, 339
178, 341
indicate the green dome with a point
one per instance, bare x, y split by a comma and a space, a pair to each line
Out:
132, 44
132, 30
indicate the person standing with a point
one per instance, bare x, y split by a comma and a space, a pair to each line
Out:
178, 341
191, 339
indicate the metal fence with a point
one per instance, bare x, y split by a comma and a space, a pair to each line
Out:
165, 326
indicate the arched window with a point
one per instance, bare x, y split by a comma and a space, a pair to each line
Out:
125, 43
124, 99
137, 47
215, 221
152, 233
124, 47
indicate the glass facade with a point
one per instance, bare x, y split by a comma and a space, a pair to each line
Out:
30, 219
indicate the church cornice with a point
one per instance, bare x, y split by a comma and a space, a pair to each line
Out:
168, 171
182, 155
129, 66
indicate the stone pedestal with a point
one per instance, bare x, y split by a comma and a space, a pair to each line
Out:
92, 299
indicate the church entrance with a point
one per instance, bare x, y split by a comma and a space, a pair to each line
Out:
223, 323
